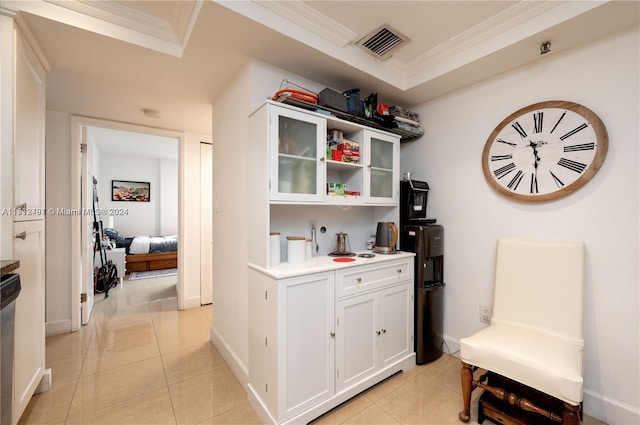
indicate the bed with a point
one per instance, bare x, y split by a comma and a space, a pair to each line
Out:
145, 253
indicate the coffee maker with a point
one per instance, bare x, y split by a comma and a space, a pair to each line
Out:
422, 236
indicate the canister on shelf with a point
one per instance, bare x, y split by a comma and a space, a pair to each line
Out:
274, 248
296, 253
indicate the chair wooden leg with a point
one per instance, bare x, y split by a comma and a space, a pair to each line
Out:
466, 377
571, 414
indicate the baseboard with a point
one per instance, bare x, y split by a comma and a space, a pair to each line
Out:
451, 346
608, 410
193, 302
45, 382
58, 327
238, 368
596, 405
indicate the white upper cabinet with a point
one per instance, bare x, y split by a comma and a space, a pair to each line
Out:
382, 160
302, 168
297, 170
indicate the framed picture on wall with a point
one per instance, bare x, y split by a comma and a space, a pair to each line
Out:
122, 190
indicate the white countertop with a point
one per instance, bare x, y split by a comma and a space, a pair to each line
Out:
326, 263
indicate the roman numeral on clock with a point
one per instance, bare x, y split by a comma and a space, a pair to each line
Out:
506, 143
556, 180
501, 157
515, 181
537, 122
574, 131
582, 147
503, 171
558, 122
576, 166
516, 125
534, 183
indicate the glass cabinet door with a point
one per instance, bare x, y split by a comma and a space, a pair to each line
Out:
297, 156
382, 165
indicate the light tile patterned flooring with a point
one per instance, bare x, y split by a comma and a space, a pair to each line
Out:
141, 361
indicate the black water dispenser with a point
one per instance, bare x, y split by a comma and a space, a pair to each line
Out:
428, 244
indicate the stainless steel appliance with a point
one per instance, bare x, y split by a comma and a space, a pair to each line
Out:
386, 238
9, 290
428, 244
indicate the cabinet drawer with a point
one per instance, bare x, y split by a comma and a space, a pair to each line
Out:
360, 279
163, 264
140, 266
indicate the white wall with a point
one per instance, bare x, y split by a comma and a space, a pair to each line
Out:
141, 218
229, 331
604, 214
58, 227
168, 197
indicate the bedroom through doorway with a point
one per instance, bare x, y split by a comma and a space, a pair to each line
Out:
136, 178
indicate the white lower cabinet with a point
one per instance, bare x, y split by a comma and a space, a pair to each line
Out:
373, 331
292, 348
309, 351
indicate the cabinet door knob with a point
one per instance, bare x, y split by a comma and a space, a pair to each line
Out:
384, 331
333, 334
22, 207
378, 332
22, 235
399, 270
322, 159
359, 279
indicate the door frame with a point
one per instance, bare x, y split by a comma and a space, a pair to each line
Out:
77, 138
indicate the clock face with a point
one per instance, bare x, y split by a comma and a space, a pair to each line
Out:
544, 151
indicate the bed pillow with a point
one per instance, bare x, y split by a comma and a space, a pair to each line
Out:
140, 245
113, 235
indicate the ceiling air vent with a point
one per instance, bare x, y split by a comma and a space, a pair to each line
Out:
382, 42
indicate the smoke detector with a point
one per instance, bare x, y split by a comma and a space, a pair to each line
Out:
382, 42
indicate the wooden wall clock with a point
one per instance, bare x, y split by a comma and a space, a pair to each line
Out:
545, 151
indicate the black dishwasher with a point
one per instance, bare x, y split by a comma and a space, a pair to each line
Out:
9, 290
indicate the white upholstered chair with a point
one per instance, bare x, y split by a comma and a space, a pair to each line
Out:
536, 333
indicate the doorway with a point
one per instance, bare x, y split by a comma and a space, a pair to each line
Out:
189, 246
113, 158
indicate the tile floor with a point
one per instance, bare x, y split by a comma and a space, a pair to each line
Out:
140, 361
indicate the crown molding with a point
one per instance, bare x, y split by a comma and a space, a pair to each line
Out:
184, 19
512, 25
119, 14
118, 21
32, 42
299, 13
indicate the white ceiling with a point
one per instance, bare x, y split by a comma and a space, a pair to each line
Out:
175, 56
118, 142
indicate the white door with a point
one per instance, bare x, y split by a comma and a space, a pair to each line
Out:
29, 343
306, 360
382, 161
87, 230
206, 224
396, 323
297, 157
28, 157
357, 335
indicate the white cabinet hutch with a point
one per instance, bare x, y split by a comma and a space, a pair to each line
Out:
321, 332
